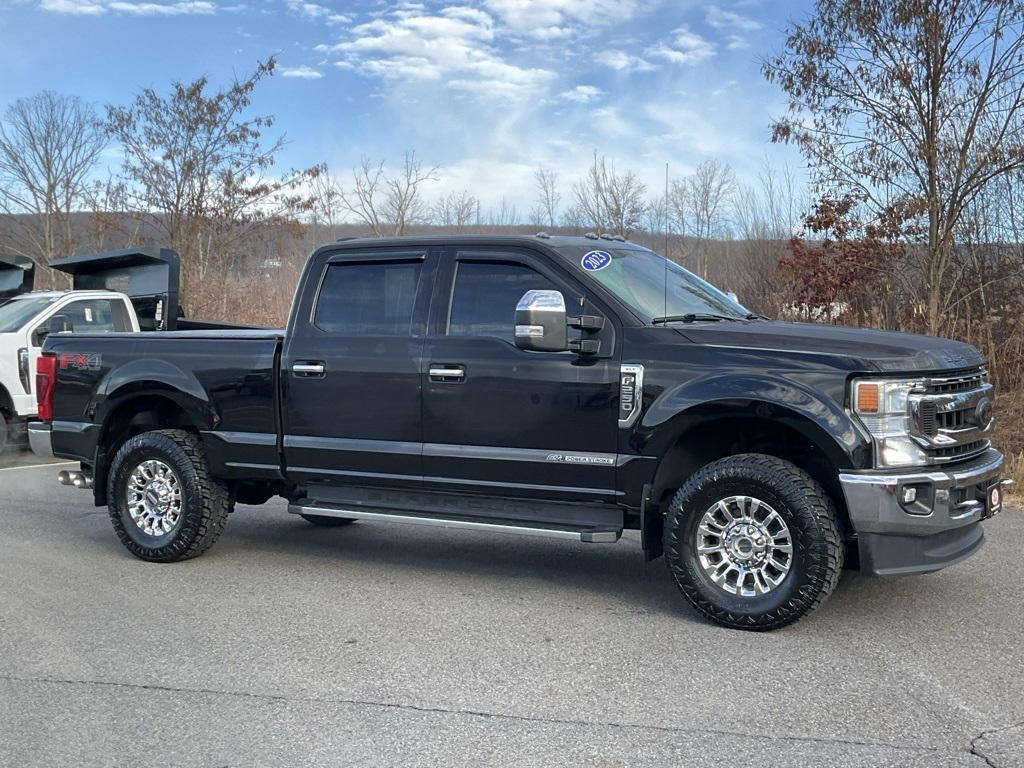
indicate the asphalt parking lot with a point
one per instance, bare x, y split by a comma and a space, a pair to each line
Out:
376, 644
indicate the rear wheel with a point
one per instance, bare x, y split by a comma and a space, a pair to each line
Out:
753, 542
164, 504
4, 431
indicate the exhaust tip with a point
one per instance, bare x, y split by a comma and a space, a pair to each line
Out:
64, 477
81, 481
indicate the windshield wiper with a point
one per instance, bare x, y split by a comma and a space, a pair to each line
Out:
693, 317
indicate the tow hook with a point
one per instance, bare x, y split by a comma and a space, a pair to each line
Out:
77, 479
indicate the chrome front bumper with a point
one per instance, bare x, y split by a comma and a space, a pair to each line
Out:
916, 522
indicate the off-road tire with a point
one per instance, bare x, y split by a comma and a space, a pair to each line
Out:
804, 509
202, 506
326, 521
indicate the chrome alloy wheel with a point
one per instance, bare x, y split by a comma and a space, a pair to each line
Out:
744, 546
153, 498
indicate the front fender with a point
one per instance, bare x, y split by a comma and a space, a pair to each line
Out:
813, 409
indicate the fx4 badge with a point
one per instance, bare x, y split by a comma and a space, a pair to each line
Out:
80, 362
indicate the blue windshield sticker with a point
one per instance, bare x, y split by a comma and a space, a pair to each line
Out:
596, 260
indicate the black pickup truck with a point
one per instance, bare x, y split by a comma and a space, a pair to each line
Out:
552, 386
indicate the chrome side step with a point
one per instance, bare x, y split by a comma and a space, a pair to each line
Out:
596, 535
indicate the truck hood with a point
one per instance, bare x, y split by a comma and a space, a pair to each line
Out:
861, 348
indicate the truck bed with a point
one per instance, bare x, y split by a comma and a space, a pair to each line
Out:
226, 380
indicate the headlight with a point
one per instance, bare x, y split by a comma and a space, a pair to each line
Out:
882, 408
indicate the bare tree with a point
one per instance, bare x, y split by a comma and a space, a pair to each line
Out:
389, 203
49, 144
700, 205
326, 208
915, 107
505, 215
196, 172
457, 210
766, 214
613, 203
545, 212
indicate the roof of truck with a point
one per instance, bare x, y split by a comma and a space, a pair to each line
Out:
57, 294
541, 238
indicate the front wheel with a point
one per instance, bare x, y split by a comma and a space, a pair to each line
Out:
753, 542
164, 504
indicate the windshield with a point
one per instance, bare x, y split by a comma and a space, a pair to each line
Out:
655, 288
17, 312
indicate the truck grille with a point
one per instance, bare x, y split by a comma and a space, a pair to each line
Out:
957, 381
951, 415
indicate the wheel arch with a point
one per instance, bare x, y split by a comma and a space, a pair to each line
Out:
716, 430
6, 402
139, 412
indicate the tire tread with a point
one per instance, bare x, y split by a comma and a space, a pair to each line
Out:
210, 516
791, 482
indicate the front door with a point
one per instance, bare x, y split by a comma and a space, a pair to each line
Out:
497, 418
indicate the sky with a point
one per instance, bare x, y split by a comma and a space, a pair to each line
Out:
489, 90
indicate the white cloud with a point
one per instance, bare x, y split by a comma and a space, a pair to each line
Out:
685, 47
453, 46
623, 62
304, 72
86, 7
308, 10
583, 94
73, 7
528, 16
546, 34
684, 126
720, 19
161, 9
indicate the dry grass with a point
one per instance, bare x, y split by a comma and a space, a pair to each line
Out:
1009, 436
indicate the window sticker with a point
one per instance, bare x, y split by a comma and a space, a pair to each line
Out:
596, 260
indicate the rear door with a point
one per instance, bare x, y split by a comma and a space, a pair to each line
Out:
504, 420
351, 370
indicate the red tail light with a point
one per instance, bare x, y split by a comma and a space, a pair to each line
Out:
46, 380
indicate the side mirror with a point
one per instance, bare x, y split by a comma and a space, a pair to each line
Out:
541, 323
61, 324
58, 324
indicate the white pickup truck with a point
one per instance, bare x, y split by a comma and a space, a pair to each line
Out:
126, 290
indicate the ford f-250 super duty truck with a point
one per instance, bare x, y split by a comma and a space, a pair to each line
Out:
552, 386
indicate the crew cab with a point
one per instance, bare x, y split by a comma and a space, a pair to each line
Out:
549, 386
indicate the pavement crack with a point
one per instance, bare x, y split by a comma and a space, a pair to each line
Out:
976, 746
486, 715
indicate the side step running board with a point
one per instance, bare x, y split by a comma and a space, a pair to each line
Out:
597, 535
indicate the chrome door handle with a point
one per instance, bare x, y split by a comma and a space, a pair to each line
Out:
308, 369
447, 373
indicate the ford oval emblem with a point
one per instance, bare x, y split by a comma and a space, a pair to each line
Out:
596, 260
983, 413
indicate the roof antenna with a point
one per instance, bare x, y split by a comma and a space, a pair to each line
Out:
665, 307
